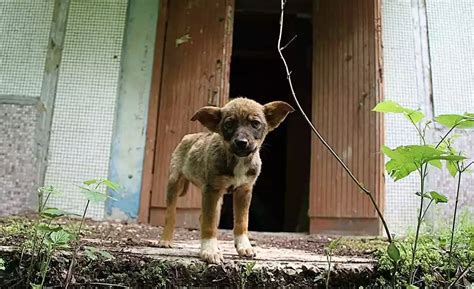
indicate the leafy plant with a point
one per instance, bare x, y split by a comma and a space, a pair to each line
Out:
328, 252
94, 191
405, 160
93, 254
245, 272
48, 236
2, 264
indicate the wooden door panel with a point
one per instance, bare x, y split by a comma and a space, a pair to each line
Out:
346, 86
195, 73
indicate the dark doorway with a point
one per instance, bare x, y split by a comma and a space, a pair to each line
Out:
280, 196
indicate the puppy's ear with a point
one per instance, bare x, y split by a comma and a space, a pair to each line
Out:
208, 116
276, 112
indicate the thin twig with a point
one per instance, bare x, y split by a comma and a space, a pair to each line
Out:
426, 209
466, 167
418, 224
289, 42
468, 267
446, 135
451, 242
319, 136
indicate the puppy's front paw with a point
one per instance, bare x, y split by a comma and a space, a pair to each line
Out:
164, 244
210, 253
243, 247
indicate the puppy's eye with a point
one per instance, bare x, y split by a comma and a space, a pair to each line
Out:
228, 124
256, 124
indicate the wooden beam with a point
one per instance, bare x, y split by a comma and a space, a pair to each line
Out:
147, 181
49, 86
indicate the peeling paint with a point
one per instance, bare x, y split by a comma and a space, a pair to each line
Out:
183, 39
128, 143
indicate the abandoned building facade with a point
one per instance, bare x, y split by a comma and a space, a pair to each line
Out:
106, 89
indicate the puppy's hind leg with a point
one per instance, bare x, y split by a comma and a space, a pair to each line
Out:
177, 186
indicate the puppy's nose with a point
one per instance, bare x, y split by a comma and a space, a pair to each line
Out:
241, 143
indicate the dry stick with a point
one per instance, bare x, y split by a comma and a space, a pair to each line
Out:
73, 259
451, 243
316, 132
462, 274
418, 224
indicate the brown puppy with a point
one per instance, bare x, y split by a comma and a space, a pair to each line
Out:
225, 160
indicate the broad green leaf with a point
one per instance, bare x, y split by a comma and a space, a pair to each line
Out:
90, 182
60, 237
35, 286
49, 190
46, 229
388, 106
111, 185
407, 159
95, 196
451, 157
106, 255
393, 252
2, 264
90, 255
55, 213
425, 195
436, 163
460, 121
414, 115
438, 198
452, 168
411, 286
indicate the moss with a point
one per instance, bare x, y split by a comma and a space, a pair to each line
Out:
432, 256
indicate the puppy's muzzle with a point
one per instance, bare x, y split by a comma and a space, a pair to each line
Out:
242, 147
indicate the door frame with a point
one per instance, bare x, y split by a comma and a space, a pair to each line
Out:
148, 213
153, 108
355, 225
152, 118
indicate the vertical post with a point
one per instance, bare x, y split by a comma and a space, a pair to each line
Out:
423, 56
128, 139
49, 86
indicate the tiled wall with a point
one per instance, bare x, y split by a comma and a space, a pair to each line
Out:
81, 133
451, 33
24, 32
399, 85
17, 159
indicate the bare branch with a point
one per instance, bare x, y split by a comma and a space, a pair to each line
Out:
318, 135
289, 42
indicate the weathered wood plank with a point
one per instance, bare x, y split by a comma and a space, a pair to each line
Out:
49, 86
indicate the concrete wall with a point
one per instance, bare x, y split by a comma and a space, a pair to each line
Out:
17, 158
128, 143
86, 98
24, 31
450, 39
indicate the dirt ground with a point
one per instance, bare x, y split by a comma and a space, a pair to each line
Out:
140, 264
111, 233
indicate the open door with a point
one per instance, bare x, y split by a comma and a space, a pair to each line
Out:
347, 83
193, 71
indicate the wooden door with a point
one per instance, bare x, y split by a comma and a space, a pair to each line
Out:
194, 73
347, 83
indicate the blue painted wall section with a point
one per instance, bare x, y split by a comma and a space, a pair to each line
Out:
128, 141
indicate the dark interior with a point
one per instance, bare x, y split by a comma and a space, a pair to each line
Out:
280, 196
